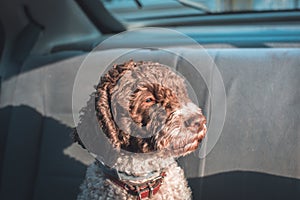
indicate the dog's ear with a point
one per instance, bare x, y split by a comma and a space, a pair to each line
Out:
103, 108
117, 137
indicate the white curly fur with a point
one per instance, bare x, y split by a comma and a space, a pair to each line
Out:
97, 187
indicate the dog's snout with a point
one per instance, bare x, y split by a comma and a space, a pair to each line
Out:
195, 123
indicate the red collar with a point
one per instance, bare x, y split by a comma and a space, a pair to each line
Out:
143, 190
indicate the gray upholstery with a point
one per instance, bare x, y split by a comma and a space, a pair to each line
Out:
256, 156
35, 106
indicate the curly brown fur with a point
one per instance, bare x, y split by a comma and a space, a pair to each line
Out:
137, 88
103, 104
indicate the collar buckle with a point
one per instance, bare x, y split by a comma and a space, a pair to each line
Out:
150, 190
139, 195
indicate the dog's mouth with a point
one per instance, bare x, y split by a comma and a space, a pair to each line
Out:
184, 142
194, 142
200, 135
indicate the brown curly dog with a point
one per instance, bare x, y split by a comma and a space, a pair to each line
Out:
144, 110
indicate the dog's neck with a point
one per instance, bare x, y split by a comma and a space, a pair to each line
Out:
137, 167
141, 164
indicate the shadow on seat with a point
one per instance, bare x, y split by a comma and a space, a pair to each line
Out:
33, 157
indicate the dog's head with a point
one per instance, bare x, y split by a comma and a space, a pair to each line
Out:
144, 107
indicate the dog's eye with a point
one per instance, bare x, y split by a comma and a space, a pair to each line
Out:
168, 105
149, 100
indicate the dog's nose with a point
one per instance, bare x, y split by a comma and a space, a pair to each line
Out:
195, 123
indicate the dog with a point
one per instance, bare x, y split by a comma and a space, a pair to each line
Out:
144, 111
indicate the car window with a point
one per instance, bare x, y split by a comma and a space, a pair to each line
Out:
183, 7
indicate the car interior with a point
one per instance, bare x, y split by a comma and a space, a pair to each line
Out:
253, 45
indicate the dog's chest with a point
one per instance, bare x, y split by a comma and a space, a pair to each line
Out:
97, 186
